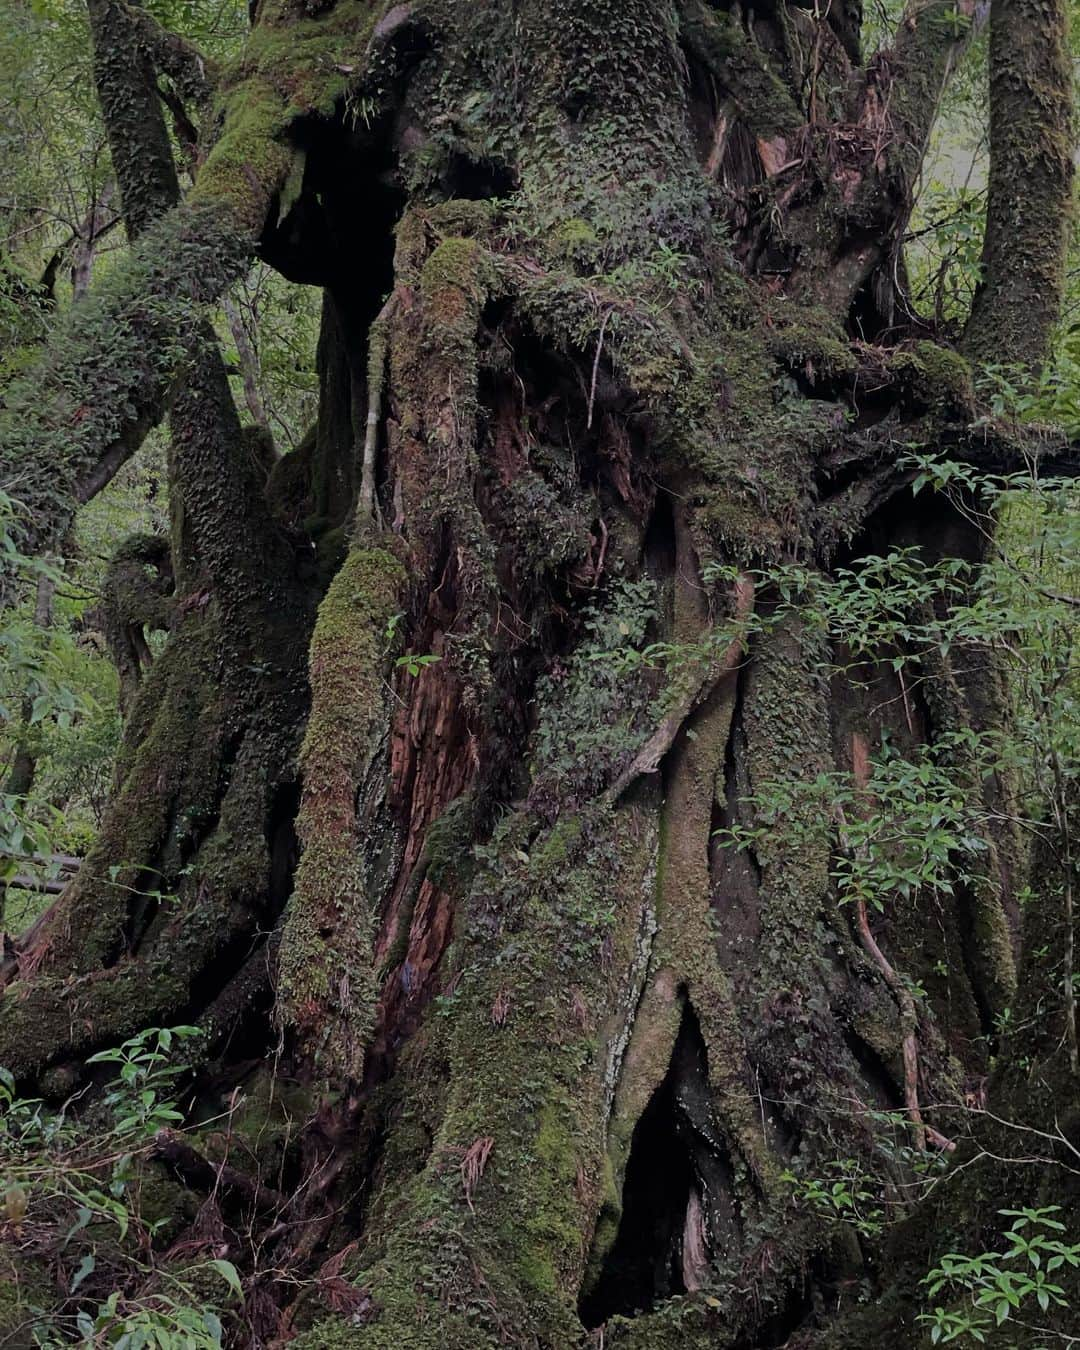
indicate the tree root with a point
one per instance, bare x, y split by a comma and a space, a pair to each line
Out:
648, 758
234, 1187
909, 1015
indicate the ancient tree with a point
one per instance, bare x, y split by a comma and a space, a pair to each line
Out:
614, 316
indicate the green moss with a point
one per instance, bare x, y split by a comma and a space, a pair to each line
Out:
294, 65
326, 992
574, 239
64, 1016
764, 101
934, 377
455, 1270
738, 528
249, 161
811, 342
1030, 202
111, 360
163, 1203
452, 285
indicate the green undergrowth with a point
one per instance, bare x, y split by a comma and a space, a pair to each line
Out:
87, 1214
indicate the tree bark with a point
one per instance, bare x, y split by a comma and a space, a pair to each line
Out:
1031, 175
588, 357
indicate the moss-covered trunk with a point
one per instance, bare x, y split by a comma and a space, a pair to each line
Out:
606, 285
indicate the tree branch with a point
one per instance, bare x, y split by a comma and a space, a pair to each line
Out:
236, 1188
73, 419
764, 102
138, 140
874, 160
194, 75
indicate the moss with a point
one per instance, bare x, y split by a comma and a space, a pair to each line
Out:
264, 1119
102, 382
162, 1203
452, 285
934, 377
326, 994
574, 239
764, 101
453, 1270
810, 342
738, 528
57, 1017
292, 67
1029, 205
249, 161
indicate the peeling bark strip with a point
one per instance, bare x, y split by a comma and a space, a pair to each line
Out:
1030, 189
698, 686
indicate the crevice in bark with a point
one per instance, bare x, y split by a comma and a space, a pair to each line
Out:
659, 550
735, 874
678, 1206
283, 846
969, 943
213, 979
871, 316
338, 231
875, 1073
475, 180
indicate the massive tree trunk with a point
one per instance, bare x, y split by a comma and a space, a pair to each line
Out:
610, 320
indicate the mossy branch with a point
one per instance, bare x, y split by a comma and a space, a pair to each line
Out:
138, 140
72, 419
762, 98
193, 74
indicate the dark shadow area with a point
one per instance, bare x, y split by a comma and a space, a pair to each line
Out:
644, 1264
677, 1198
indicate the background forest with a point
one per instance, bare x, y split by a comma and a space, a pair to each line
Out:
70, 659
61, 227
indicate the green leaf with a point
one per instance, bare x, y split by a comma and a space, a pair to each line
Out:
228, 1273
86, 1267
